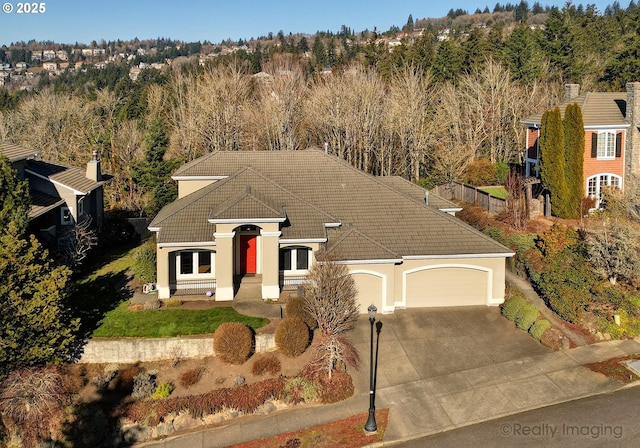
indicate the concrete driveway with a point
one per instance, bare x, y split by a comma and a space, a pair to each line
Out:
427, 343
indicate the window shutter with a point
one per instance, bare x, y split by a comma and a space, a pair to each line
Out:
619, 144
594, 145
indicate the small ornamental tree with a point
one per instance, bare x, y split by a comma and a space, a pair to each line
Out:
331, 300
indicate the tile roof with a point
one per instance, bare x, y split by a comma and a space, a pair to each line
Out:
378, 220
598, 109
71, 177
418, 193
41, 203
16, 152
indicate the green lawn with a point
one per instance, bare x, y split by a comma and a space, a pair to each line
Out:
121, 322
97, 300
498, 192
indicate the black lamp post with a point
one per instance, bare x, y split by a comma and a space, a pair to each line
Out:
371, 425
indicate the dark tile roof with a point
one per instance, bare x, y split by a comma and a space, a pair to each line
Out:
71, 177
16, 152
598, 109
418, 193
41, 203
378, 220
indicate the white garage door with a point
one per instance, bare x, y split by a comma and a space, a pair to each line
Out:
447, 286
370, 289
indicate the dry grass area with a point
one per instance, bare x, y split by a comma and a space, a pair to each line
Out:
346, 433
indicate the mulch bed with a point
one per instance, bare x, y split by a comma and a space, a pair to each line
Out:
346, 433
616, 369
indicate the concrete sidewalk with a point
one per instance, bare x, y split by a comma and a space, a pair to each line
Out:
422, 401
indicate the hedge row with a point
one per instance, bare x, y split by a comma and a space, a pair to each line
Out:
525, 315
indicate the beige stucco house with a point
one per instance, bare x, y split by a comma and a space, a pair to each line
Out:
268, 214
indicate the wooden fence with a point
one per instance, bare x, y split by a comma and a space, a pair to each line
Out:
471, 195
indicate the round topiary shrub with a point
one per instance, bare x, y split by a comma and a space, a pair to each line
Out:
511, 307
233, 342
296, 308
526, 316
538, 328
292, 336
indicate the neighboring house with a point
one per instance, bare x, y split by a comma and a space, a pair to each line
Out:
267, 214
612, 137
61, 195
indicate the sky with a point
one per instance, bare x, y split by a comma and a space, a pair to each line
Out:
82, 21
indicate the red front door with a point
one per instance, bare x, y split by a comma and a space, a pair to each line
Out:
248, 246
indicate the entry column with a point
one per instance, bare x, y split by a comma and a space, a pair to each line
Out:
270, 265
224, 265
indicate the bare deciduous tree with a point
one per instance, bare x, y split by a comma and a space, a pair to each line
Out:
81, 238
29, 400
330, 298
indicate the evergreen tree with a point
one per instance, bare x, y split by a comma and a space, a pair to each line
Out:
14, 197
523, 55
35, 327
153, 174
448, 61
574, 158
552, 165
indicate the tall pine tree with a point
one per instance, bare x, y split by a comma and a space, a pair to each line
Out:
552, 161
574, 158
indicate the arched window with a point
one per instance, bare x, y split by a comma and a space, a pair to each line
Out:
294, 259
595, 184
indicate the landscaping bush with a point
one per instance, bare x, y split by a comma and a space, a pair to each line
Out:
552, 338
292, 336
512, 306
526, 316
162, 391
538, 328
144, 384
474, 216
268, 363
480, 172
299, 390
296, 308
233, 342
337, 388
144, 263
152, 304
191, 377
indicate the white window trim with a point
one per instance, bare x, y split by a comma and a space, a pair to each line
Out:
194, 260
81, 206
598, 193
603, 138
294, 260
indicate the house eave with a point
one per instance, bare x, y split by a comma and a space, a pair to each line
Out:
186, 178
246, 221
607, 126
381, 261
188, 244
303, 240
458, 256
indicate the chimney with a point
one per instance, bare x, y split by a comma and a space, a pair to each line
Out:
571, 91
632, 141
93, 168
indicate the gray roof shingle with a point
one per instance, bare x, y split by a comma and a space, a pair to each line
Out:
378, 220
598, 109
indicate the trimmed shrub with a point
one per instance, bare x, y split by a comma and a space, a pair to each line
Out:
292, 336
144, 384
526, 316
512, 305
191, 377
144, 263
268, 363
233, 342
296, 308
538, 328
552, 338
162, 391
152, 304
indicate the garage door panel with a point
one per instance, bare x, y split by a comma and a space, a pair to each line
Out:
370, 289
447, 286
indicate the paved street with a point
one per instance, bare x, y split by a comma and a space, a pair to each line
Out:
609, 420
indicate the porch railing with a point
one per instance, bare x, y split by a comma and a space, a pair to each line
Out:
292, 282
190, 287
